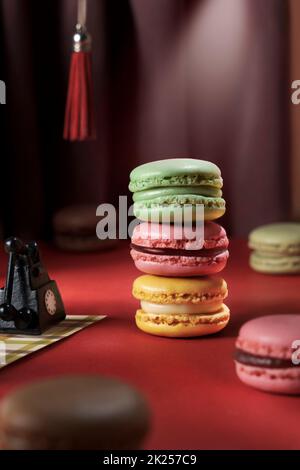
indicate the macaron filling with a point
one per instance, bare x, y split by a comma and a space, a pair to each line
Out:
205, 253
171, 191
140, 184
275, 248
219, 317
261, 260
180, 309
248, 359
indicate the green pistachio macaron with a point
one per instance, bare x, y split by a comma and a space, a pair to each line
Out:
276, 248
163, 188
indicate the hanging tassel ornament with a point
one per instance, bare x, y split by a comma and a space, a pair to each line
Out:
80, 115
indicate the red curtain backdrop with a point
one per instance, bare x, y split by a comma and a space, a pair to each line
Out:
199, 78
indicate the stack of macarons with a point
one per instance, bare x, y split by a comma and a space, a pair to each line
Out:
179, 295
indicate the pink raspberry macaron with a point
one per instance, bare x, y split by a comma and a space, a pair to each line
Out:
167, 250
267, 354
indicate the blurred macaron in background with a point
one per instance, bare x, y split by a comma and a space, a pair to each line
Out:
74, 229
275, 248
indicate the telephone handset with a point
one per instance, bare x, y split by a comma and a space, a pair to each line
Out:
30, 302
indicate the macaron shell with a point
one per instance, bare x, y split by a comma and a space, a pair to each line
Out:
161, 214
205, 325
271, 335
73, 413
263, 263
79, 219
175, 172
276, 238
283, 381
175, 209
179, 290
173, 236
180, 266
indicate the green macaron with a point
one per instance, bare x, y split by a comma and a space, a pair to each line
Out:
163, 188
276, 248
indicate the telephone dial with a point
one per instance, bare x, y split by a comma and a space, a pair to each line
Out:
30, 302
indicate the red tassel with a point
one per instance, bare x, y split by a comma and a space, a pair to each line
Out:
80, 115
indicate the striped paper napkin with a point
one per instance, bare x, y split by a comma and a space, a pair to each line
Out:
15, 347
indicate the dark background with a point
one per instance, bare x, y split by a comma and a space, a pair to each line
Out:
173, 78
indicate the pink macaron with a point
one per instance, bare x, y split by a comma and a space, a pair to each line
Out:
267, 354
166, 250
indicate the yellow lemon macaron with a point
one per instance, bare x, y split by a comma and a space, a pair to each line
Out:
181, 307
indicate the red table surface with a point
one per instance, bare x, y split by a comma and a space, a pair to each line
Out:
197, 402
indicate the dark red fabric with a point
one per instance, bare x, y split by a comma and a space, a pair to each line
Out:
196, 399
173, 78
80, 114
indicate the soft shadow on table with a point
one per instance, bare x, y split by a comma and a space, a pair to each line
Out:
238, 318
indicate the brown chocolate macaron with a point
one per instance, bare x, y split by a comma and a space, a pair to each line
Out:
73, 413
74, 229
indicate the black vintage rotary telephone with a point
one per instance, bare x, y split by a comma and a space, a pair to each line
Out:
30, 302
